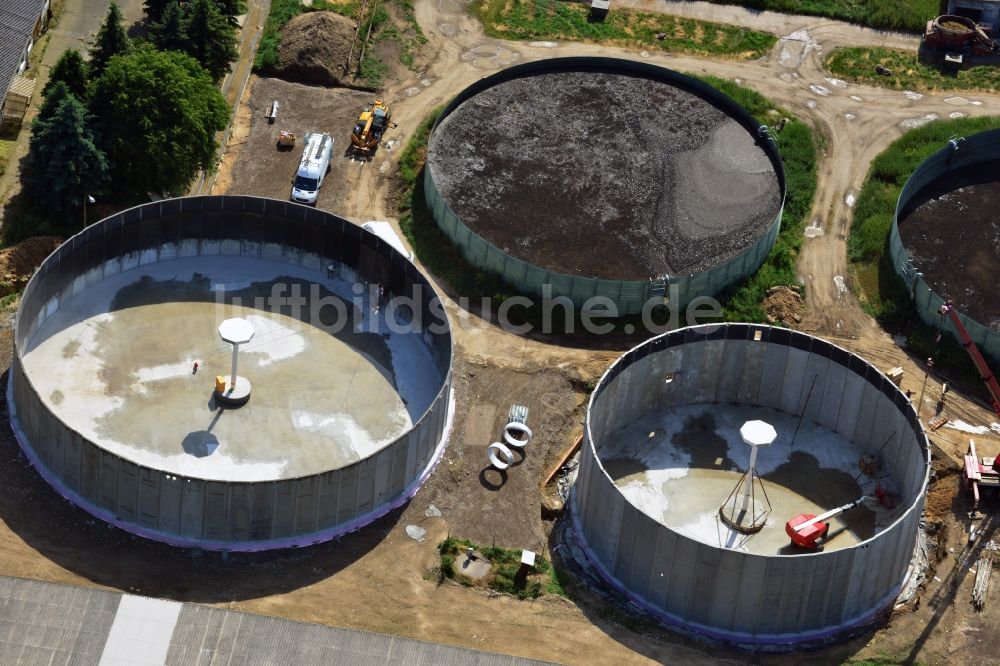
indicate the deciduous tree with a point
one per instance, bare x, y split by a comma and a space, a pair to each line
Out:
157, 116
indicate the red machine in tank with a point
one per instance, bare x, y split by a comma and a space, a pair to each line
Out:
806, 530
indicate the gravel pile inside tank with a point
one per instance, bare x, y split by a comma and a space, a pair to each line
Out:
605, 175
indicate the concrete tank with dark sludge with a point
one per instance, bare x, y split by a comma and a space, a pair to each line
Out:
601, 177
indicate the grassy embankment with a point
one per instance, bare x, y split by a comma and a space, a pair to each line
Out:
907, 71
558, 20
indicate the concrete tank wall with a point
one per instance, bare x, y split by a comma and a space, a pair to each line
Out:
727, 594
629, 296
981, 147
208, 513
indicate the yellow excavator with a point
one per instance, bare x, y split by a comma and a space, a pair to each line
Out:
368, 131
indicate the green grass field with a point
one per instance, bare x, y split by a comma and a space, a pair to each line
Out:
559, 20
908, 15
908, 73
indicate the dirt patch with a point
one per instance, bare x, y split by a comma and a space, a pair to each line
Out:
939, 503
314, 48
261, 169
482, 504
18, 262
784, 304
604, 174
953, 237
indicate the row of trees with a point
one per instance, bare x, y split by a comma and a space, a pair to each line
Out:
138, 117
204, 29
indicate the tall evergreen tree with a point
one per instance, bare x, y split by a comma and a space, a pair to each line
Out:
157, 116
111, 41
71, 70
154, 10
55, 95
213, 40
231, 9
63, 164
170, 33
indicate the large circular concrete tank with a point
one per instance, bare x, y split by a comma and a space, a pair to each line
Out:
584, 177
663, 451
351, 381
945, 237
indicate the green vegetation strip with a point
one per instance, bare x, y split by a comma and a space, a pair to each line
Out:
909, 15
6, 150
505, 565
560, 20
907, 72
743, 303
881, 291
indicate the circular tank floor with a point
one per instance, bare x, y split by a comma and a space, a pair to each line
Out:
680, 465
115, 364
604, 174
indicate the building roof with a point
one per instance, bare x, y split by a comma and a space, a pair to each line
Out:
17, 21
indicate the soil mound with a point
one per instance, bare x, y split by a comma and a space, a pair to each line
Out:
783, 305
18, 262
314, 48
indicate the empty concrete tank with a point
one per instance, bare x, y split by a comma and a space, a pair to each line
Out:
584, 177
663, 452
350, 394
945, 237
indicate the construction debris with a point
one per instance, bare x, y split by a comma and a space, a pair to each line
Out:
783, 304
936, 422
984, 567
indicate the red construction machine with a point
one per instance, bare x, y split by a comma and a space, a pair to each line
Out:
979, 472
809, 531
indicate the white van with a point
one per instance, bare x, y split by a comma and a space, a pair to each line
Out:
313, 167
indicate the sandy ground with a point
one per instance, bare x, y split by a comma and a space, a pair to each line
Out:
382, 580
262, 169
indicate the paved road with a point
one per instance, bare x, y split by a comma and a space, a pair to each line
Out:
45, 623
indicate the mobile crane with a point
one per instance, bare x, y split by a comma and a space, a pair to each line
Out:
979, 472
